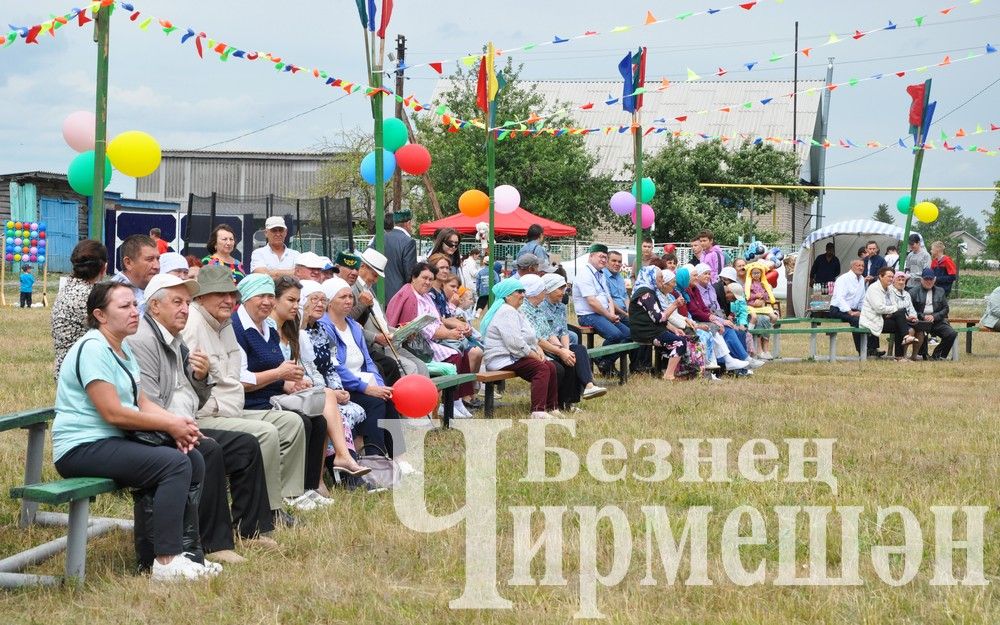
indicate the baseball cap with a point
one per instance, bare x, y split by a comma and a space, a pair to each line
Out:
274, 221
928, 274
172, 261
310, 260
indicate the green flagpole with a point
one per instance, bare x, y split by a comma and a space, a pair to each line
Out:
376, 83
491, 181
918, 162
102, 35
637, 129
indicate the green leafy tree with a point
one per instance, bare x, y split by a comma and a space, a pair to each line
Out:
553, 174
683, 208
882, 214
993, 226
950, 219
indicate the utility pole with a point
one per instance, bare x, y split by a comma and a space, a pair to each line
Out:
795, 122
825, 113
397, 178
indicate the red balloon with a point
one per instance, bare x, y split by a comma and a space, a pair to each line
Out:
414, 396
772, 277
669, 248
41, 234
414, 159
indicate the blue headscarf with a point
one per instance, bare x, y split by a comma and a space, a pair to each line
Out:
646, 278
256, 284
501, 290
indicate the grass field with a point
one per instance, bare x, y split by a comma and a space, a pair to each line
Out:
915, 435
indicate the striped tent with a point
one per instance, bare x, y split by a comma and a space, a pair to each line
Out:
847, 237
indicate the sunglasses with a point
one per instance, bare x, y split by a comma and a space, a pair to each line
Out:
451, 243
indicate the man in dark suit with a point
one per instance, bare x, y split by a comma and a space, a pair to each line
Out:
873, 263
932, 309
400, 251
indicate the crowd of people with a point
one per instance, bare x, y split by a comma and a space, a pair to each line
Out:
223, 396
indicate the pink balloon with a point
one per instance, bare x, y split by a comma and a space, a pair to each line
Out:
647, 216
623, 203
506, 199
78, 130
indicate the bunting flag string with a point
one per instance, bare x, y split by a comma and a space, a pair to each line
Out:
948, 61
834, 39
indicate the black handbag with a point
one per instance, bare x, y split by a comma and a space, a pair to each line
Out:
153, 438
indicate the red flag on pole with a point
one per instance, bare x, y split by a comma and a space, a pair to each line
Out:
917, 92
386, 16
481, 99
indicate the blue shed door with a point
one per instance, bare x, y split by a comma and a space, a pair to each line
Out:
62, 232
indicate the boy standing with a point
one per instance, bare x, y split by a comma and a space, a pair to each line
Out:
27, 286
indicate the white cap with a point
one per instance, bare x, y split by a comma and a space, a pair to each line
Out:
376, 260
333, 286
533, 285
327, 263
729, 273
172, 261
169, 280
274, 221
310, 260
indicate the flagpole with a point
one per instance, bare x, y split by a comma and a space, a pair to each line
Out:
918, 162
375, 78
491, 175
637, 141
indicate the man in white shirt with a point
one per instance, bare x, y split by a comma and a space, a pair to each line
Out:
848, 295
594, 306
275, 259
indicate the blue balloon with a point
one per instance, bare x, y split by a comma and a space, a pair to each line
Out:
368, 167
683, 277
41, 226
41, 259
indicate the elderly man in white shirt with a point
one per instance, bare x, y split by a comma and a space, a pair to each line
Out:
848, 296
275, 259
594, 306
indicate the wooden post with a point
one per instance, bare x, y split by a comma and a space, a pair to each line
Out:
102, 34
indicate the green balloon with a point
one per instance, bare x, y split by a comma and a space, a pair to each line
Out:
81, 173
648, 189
903, 204
394, 135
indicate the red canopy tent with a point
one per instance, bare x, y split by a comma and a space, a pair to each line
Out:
512, 225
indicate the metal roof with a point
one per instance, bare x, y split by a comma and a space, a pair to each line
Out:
681, 98
251, 155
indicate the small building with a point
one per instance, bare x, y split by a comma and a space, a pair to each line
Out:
974, 247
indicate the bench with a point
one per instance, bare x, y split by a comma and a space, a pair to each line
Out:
971, 325
586, 334
622, 350
491, 379
447, 384
77, 492
817, 330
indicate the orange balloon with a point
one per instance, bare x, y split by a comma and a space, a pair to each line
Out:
473, 203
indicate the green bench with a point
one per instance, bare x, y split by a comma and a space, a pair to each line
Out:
622, 350
813, 332
77, 492
447, 384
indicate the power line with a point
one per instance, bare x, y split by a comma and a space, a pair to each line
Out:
272, 125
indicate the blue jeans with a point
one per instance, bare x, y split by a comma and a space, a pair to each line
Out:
736, 346
612, 333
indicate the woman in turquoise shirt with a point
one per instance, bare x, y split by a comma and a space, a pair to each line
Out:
97, 398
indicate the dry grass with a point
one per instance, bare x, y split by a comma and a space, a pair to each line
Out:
914, 434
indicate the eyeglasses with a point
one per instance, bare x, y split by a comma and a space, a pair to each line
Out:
451, 243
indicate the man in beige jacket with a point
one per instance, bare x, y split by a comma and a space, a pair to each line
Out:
279, 432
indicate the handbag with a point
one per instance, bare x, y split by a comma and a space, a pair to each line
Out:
385, 472
153, 438
420, 347
308, 402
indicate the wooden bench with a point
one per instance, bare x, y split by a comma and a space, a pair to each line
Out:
971, 325
447, 384
622, 350
816, 330
491, 379
586, 334
77, 492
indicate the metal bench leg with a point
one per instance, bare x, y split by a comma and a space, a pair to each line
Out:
776, 346
76, 543
488, 404
954, 350
864, 346
968, 340
590, 340
32, 470
447, 396
833, 348
623, 368
812, 346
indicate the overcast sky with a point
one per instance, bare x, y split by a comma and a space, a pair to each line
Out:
159, 86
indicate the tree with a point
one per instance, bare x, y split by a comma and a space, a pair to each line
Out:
882, 214
993, 226
553, 174
950, 219
682, 207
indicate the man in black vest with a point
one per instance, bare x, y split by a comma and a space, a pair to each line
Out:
932, 309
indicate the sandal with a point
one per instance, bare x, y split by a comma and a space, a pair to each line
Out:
361, 470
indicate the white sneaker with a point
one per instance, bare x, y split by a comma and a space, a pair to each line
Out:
557, 414
539, 414
180, 568
407, 469
733, 364
593, 391
303, 502
756, 363
766, 356
318, 499
461, 412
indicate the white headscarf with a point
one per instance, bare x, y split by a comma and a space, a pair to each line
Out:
701, 268
533, 285
333, 286
553, 281
309, 287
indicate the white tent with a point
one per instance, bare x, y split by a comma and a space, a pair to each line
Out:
847, 237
